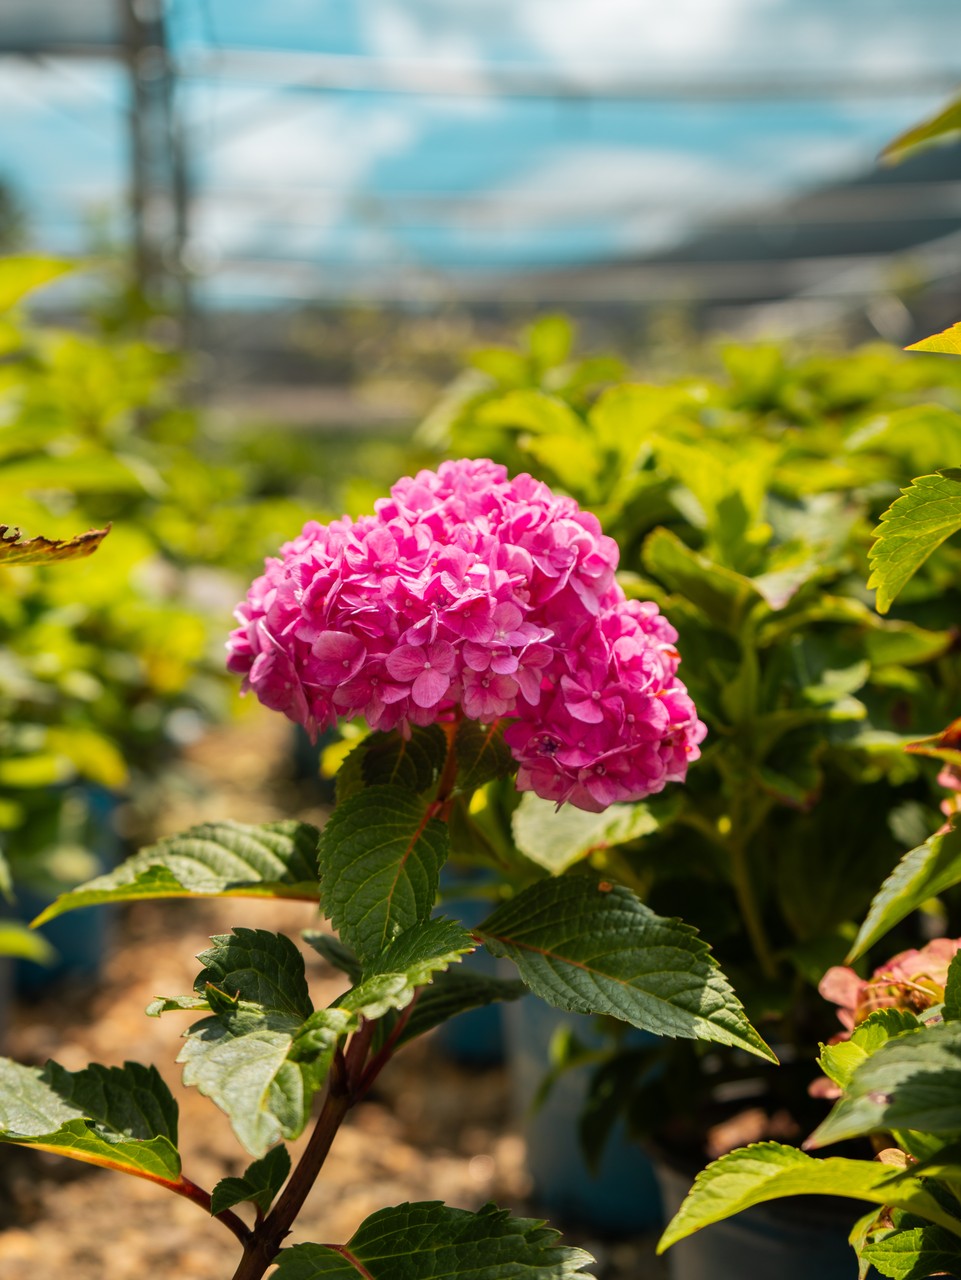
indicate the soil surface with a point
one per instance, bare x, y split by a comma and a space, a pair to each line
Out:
429, 1130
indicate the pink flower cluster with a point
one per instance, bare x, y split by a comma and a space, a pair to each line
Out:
469, 590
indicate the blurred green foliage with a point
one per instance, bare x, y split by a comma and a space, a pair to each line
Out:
106, 668
744, 504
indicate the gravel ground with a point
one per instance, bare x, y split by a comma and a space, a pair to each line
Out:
430, 1130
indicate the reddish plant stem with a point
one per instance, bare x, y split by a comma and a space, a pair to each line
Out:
263, 1244
190, 1191
383, 1055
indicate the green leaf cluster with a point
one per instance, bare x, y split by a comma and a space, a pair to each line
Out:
745, 499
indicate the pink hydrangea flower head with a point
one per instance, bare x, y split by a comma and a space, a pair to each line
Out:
471, 593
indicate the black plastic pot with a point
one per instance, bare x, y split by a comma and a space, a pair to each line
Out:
801, 1238
621, 1197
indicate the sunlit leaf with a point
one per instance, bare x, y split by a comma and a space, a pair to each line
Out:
119, 1117
922, 873
224, 859
912, 1082
927, 513
769, 1171
590, 946
556, 839
264, 1052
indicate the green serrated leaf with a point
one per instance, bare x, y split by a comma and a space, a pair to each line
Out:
380, 859
913, 1082
264, 1052
914, 1254
119, 1117
927, 513
259, 1184
922, 873
592, 947
557, 838
453, 992
769, 1171
482, 755
222, 859
15, 549
410, 961
431, 1241
840, 1061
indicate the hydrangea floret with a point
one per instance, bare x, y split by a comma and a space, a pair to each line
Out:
469, 593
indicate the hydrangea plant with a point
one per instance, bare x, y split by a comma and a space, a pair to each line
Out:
462, 577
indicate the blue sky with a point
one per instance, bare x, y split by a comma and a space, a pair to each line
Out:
338, 188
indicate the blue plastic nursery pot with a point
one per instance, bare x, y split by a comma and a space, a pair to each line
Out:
82, 938
804, 1238
474, 1038
622, 1198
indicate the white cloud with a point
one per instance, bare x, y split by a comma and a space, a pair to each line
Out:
301, 172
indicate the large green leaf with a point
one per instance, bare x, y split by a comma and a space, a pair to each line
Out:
15, 549
945, 343
922, 873
259, 1184
557, 838
593, 947
227, 859
927, 513
21, 274
120, 1117
914, 1254
409, 962
431, 1241
264, 1052
912, 1082
482, 754
380, 858
769, 1171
